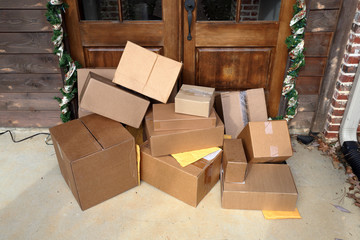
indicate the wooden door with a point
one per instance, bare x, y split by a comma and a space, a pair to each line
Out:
99, 29
237, 45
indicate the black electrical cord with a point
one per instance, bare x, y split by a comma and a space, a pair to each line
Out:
17, 141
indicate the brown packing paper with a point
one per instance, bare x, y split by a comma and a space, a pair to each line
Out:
189, 184
101, 96
234, 160
176, 141
97, 158
195, 100
147, 72
165, 118
82, 75
266, 141
267, 187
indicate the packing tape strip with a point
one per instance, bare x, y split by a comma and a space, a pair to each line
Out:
268, 128
196, 92
274, 151
243, 104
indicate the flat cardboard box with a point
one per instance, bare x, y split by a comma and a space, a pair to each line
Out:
234, 160
239, 108
189, 184
266, 141
195, 100
165, 118
82, 74
177, 141
97, 158
146, 72
101, 96
267, 187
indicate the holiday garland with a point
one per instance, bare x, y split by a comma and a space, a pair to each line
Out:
295, 43
54, 17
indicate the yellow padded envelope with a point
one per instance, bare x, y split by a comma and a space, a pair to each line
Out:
282, 214
187, 158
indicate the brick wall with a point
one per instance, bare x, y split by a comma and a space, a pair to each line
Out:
344, 81
249, 10
109, 10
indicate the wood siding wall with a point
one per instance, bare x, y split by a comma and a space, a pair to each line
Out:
29, 72
321, 25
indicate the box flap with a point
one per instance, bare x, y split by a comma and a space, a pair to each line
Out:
195, 93
106, 131
69, 136
270, 178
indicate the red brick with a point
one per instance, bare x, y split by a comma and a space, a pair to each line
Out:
244, 13
343, 87
256, 1
333, 128
358, 6
334, 120
355, 28
254, 13
348, 69
246, 2
354, 39
249, 19
352, 49
351, 59
250, 8
331, 135
338, 104
346, 78
340, 96
337, 112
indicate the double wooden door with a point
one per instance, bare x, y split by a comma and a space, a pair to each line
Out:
231, 44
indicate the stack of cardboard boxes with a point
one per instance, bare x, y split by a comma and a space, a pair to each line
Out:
97, 154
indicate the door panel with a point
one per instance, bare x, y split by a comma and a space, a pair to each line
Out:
233, 68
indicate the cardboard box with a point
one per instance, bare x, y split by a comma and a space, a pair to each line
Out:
146, 72
266, 141
82, 74
239, 108
177, 141
234, 160
195, 100
97, 158
267, 187
165, 118
103, 97
189, 184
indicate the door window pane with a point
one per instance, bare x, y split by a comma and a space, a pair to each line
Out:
260, 10
141, 9
216, 10
99, 10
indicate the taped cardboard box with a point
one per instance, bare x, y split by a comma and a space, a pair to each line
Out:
189, 184
97, 158
234, 161
101, 96
177, 141
195, 100
267, 187
165, 118
266, 141
146, 72
82, 75
239, 108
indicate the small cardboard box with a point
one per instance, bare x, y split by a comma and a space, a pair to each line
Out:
165, 118
177, 141
195, 100
146, 72
189, 184
103, 97
239, 108
234, 160
97, 158
266, 141
267, 187
82, 75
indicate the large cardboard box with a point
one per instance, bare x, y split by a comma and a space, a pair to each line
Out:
146, 72
103, 97
266, 141
189, 184
195, 100
267, 187
177, 141
97, 158
239, 108
82, 75
234, 160
165, 118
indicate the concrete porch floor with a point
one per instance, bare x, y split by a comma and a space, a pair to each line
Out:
35, 203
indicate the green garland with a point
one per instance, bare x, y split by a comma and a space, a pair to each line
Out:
295, 43
53, 15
